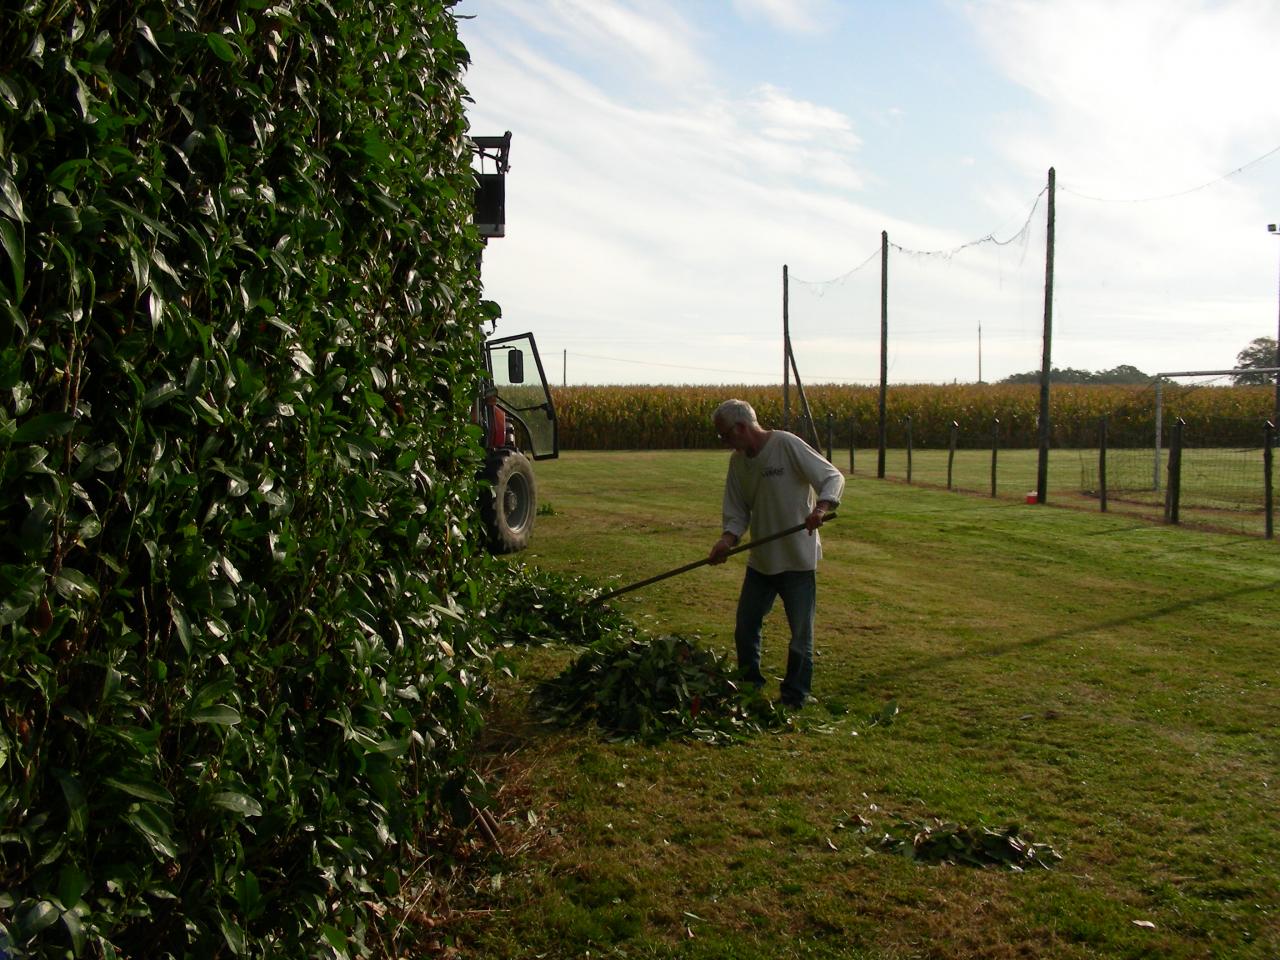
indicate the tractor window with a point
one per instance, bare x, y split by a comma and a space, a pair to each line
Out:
522, 390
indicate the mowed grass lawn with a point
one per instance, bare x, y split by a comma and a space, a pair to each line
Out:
1108, 684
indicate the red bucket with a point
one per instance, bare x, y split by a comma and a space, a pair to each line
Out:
1033, 497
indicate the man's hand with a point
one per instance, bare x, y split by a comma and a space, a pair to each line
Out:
720, 551
814, 520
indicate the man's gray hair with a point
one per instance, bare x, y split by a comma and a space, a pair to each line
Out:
735, 411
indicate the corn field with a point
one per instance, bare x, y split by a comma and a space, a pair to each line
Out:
679, 418
1223, 484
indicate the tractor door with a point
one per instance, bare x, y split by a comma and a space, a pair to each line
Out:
520, 384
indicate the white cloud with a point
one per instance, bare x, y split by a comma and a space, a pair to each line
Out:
790, 119
651, 39
1141, 95
651, 206
1137, 100
793, 16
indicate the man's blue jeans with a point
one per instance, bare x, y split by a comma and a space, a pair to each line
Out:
799, 592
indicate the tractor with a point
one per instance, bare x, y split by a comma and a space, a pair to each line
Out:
515, 411
519, 424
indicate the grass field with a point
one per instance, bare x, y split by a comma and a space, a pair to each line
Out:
1106, 683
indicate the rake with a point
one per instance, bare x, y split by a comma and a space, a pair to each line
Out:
703, 562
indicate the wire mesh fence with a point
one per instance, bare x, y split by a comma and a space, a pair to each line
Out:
1220, 484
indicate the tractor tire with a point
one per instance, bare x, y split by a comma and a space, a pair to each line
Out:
509, 505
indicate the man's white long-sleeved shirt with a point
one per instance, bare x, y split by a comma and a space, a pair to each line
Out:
775, 490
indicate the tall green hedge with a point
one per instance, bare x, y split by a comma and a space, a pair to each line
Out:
239, 312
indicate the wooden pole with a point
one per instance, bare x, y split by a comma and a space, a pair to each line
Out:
1046, 359
786, 351
995, 448
951, 451
1275, 232
884, 349
804, 408
1102, 463
1173, 490
909, 448
1268, 458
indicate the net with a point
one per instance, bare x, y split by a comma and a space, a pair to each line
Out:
965, 313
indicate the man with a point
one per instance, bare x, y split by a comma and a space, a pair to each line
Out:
772, 479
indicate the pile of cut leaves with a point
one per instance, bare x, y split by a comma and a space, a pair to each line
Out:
536, 607
936, 841
650, 689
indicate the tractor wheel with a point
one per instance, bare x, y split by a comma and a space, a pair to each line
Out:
509, 505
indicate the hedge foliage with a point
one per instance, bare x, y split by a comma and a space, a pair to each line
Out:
679, 417
239, 322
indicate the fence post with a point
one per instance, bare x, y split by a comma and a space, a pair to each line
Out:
1268, 458
852, 422
951, 451
1173, 493
831, 419
907, 418
995, 446
1102, 463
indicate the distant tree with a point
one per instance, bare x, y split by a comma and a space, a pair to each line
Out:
1261, 352
1121, 374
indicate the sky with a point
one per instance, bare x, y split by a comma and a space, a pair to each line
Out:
670, 157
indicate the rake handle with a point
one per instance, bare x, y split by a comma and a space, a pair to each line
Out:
702, 563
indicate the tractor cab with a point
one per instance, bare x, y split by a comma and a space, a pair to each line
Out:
519, 423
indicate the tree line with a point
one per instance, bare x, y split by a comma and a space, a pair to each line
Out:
1258, 355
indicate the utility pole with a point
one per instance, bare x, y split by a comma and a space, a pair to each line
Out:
1274, 230
786, 351
1046, 358
980, 351
884, 349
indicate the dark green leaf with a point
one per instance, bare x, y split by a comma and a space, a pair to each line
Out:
159, 394
73, 793
220, 47
72, 885
12, 240
237, 802
43, 427
140, 789
155, 829
41, 916
219, 714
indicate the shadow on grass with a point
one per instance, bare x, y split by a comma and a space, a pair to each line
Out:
932, 663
